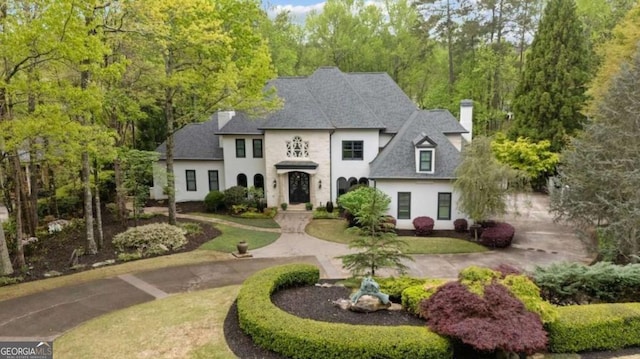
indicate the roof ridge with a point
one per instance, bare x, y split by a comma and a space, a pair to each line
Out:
362, 100
387, 149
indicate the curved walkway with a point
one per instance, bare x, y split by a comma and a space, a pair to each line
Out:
46, 315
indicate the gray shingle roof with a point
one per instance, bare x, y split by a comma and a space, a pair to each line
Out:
196, 141
331, 99
240, 123
397, 159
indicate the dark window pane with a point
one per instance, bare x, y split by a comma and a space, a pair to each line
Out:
240, 149
426, 160
242, 180
444, 206
191, 180
352, 150
213, 181
404, 205
257, 148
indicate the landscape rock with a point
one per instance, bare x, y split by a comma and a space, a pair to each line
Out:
102, 264
365, 304
51, 273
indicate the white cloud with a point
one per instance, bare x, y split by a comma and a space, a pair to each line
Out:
298, 12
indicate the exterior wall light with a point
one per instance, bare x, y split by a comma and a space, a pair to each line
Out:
275, 183
319, 184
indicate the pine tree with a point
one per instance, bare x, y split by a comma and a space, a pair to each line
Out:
599, 173
551, 93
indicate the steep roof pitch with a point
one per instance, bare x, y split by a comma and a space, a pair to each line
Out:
240, 123
331, 99
195, 141
397, 159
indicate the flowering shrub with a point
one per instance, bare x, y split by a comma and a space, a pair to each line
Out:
423, 226
498, 235
461, 225
151, 239
495, 321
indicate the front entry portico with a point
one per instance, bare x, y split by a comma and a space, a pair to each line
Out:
294, 180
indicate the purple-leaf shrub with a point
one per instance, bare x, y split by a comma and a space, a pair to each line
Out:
499, 235
495, 321
423, 226
461, 225
506, 269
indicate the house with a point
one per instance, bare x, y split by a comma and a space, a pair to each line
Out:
334, 130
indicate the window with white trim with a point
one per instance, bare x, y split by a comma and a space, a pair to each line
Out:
425, 161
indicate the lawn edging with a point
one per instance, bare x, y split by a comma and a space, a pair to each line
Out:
284, 333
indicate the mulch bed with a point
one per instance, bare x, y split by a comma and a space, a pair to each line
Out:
53, 253
315, 303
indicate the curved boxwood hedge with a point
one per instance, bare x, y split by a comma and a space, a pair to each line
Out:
595, 327
274, 329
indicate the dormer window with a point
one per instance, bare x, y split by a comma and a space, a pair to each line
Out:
425, 154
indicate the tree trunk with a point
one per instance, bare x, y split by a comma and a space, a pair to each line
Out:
5, 262
169, 117
98, 208
20, 262
450, 47
88, 210
121, 204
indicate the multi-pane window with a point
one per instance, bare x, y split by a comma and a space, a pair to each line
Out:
426, 161
404, 205
352, 150
240, 148
257, 148
191, 180
258, 181
444, 205
213, 181
242, 180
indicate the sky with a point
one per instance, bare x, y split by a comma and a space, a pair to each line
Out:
297, 8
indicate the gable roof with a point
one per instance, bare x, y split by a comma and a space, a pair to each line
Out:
195, 141
397, 159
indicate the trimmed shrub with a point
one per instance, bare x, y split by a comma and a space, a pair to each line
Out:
214, 201
461, 225
423, 226
498, 235
603, 282
387, 224
595, 327
294, 337
413, 296
235, 195
492, 322
150, 239
393, 286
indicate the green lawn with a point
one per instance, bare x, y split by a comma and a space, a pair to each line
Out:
232, 235
254, 222
335, 231
188, 325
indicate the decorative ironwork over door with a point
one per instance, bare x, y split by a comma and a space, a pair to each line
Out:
298, 187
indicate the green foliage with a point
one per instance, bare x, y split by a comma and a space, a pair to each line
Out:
414, 295
476, 278
284, 206
126, 257
484, 183
214, 201
322, 213
378, 248
308, 206
191, 228
599, 184
548, 101
393, 286
137, 168
150, 239
4, 281
284, 333
574, 283
235, 195
595, 327
534, 159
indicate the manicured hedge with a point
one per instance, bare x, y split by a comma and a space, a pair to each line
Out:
497, 235
412, 296
294, 337
595, 327
423, 225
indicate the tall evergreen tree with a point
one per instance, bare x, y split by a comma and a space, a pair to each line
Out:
599, 172
549, 98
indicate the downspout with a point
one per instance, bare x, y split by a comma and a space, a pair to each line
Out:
331, 168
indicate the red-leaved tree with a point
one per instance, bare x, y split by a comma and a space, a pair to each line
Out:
496, 321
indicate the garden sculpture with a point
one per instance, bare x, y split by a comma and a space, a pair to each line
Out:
370, 287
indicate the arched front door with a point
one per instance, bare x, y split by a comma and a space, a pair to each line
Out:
298, 187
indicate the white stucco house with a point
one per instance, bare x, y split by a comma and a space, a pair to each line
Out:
334, 130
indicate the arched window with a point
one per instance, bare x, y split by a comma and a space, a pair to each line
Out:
343, 186
242, 180
258, 181
364, 181
353, 181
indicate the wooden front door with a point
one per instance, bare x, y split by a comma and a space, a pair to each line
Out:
298, 187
